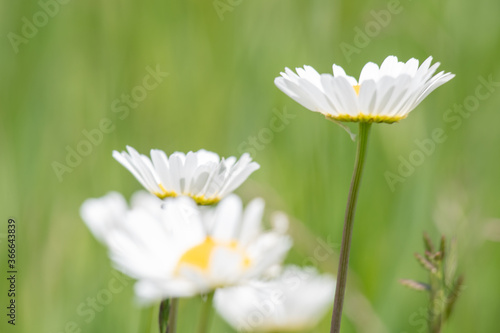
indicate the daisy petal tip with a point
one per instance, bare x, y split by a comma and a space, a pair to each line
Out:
259, 201
131, 150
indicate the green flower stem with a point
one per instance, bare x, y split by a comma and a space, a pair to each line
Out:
206, 313
172, 316
168, 315
364, 130
163, 315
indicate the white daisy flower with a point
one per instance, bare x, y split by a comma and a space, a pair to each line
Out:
201, 175
383, 95
179, 249
293, 302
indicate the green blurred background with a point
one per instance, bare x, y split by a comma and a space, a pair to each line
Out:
219, 92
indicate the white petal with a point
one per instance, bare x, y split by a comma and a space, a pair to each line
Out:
189, 169
411, 67
385, 89
226, 266
296, 93
390, 66
124, 160
176, 163
227, 219
316, 94
150, 291
104, 214
144, 169
341, 94
251, 225
369, 72
160, 162
437, 81
399, 95
239, 176
268, 250
339, 71
290, 75
367, 97
311, 75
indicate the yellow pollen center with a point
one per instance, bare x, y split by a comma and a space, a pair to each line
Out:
356, 89
200, 199
367, 118
165, 194
199, 255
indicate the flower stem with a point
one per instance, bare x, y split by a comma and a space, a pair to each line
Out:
206, 313
172, 316
364, 130
168, 315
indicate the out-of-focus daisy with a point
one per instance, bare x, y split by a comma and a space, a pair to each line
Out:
179, 249
201, 175
383, 95
293, 302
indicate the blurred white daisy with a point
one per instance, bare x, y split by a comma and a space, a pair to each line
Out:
201, 175
179, 249
293, 302
383, 95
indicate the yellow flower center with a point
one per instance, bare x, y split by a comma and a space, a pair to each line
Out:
199, 255
356, 89
164, 194
200, 199
367, 118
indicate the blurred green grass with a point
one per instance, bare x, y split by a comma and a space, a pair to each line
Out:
219, 92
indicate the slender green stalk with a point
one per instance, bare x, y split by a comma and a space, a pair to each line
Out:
206, 314
163, 315
172, 316
364, 130
167, 317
